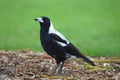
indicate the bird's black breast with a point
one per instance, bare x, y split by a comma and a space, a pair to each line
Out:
51, 46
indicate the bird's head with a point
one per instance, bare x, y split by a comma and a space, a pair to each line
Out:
44, 21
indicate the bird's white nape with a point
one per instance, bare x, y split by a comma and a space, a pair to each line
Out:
51, 28
53, 31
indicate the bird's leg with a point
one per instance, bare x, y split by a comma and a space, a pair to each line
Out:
57, 69
60, 67
54, 70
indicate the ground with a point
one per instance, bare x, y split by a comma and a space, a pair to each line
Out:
29, 65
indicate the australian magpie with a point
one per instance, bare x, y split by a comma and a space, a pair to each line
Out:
57, 46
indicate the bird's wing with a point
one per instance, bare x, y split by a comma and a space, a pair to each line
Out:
71, 49
58, 39
56, 47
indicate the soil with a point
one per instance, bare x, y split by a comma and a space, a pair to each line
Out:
29, 65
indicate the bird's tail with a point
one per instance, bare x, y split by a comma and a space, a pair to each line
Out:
86, 59
75, 52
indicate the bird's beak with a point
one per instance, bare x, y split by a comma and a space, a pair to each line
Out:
36, 19
39, 20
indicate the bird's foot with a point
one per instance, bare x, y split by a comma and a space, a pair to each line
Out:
57, 69
55, 72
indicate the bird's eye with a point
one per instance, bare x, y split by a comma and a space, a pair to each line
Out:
43, 20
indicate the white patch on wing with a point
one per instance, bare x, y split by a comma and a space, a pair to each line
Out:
62, 44
52, 30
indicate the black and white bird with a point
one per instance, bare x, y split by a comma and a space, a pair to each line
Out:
57, 46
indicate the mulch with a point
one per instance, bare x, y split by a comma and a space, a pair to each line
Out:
30, 65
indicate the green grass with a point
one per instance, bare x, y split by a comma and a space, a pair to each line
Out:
92, 25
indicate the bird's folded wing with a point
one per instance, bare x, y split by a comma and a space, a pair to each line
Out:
70, 48
58, 39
